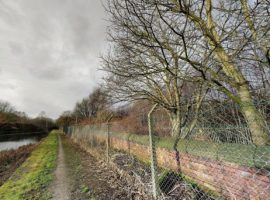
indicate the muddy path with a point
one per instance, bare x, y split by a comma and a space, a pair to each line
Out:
80, 176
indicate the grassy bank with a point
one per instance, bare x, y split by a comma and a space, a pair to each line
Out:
10, 160
31, 179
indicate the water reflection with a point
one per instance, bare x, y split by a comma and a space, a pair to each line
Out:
16, 142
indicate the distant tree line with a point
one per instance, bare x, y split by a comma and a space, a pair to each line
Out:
12, 120
8, 113
91, 109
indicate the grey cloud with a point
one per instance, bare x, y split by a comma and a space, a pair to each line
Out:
16, 48
53, 52
8, 13
8, 86
49, 73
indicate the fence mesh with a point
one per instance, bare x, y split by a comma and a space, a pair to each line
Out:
216, 160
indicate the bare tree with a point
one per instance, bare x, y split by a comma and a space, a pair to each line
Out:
6, 107
98, 101
91, 105
82, 109
65, 119
226, 48
145, 64
160, 46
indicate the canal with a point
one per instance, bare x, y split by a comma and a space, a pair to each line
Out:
16, 141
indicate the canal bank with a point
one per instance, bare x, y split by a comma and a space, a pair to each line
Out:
14, 150
10, 160
31, 179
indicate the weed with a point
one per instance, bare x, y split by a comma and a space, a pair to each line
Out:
84, 189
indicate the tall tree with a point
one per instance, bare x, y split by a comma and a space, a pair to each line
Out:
145, 64
159, 46
228, 47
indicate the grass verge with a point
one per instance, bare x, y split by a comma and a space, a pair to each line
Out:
10, 160
32, 178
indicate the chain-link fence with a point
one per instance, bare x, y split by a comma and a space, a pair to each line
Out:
216, 159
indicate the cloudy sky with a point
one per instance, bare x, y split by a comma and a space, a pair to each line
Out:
49, 52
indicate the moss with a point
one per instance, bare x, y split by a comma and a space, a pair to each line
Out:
31, 179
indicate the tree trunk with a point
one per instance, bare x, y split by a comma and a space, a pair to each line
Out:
256, 123
176, 124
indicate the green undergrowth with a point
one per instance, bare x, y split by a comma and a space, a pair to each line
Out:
245, 155
32, 178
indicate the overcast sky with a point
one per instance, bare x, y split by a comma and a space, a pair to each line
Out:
49, 53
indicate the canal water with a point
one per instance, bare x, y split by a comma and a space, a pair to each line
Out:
15, 142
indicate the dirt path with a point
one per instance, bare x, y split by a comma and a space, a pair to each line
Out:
61, 185
80, 176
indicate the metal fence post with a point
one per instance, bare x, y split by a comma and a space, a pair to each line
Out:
153, 154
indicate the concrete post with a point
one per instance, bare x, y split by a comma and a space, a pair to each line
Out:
153, 154
108, 138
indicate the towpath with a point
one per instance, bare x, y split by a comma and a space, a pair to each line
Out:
80, 176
